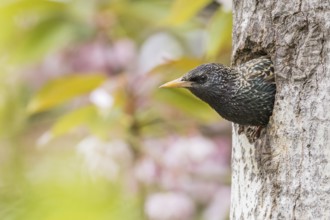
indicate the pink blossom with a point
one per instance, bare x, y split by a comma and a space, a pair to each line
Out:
146, 171
106, 159
219, 206
169, 206
187, 151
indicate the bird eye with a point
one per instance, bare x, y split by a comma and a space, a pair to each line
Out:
199, 79
203, 78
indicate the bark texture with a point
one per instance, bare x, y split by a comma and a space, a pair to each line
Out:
286, 173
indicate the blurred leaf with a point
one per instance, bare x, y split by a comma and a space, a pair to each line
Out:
131, 15
62, 89
184, 10
18, 17
177, 67
73, 119
36, 27
20, 9
93, 201
12, 109
61, 190
220, 30
187, 103
46, 37
114, 121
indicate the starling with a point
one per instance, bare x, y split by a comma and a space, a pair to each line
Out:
244, 94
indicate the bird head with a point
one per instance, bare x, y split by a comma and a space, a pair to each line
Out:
203, 79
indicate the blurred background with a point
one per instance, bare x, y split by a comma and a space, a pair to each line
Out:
85, 133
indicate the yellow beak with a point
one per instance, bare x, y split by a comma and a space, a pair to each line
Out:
177, 83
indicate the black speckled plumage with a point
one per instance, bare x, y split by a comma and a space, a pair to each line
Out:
244, 94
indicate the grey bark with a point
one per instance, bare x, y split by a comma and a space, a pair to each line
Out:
286, 173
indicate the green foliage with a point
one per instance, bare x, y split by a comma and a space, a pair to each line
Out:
129, 16
36, 184
63, 89
82, 116
187, 103
13, 116
35, 28
219, 37
54, 194
184, 10
79, 200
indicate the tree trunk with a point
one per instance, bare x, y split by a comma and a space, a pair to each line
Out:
285, 174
